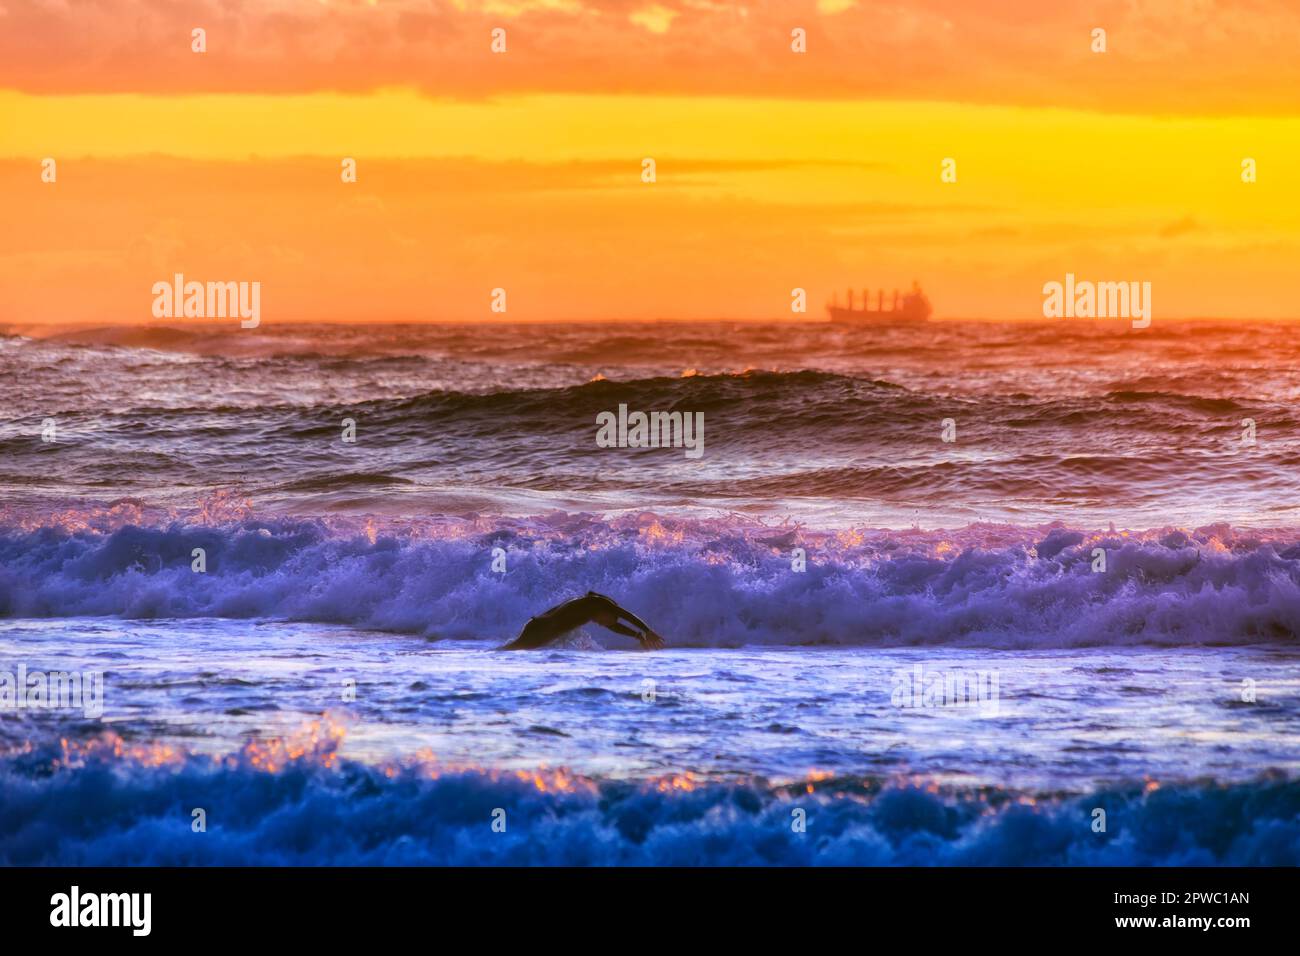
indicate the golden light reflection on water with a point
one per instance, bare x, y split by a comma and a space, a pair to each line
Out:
76, 753
318, 743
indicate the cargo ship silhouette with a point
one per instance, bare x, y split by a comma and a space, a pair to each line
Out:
906, 307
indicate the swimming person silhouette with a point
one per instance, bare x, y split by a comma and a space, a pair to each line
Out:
546, 627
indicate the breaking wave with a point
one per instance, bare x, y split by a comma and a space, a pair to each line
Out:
701, 582
109, 803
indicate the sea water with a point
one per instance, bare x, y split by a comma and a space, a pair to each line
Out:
324, 683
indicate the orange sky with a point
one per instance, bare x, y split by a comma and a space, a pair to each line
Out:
523, 170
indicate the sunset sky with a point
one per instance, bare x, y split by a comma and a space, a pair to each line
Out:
522, 170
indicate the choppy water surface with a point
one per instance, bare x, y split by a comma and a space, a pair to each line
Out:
1088, 423
1059, 720
826, 545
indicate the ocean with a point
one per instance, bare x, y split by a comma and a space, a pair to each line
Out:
953, 592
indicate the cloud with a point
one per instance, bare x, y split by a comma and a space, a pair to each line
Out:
1026, 53
1181, 227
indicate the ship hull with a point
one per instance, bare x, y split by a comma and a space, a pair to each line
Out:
838, 314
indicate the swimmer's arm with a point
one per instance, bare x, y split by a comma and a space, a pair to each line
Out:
618, 628
647, 637
636, 621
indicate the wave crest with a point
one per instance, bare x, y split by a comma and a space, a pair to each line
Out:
116, 807
700, 583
